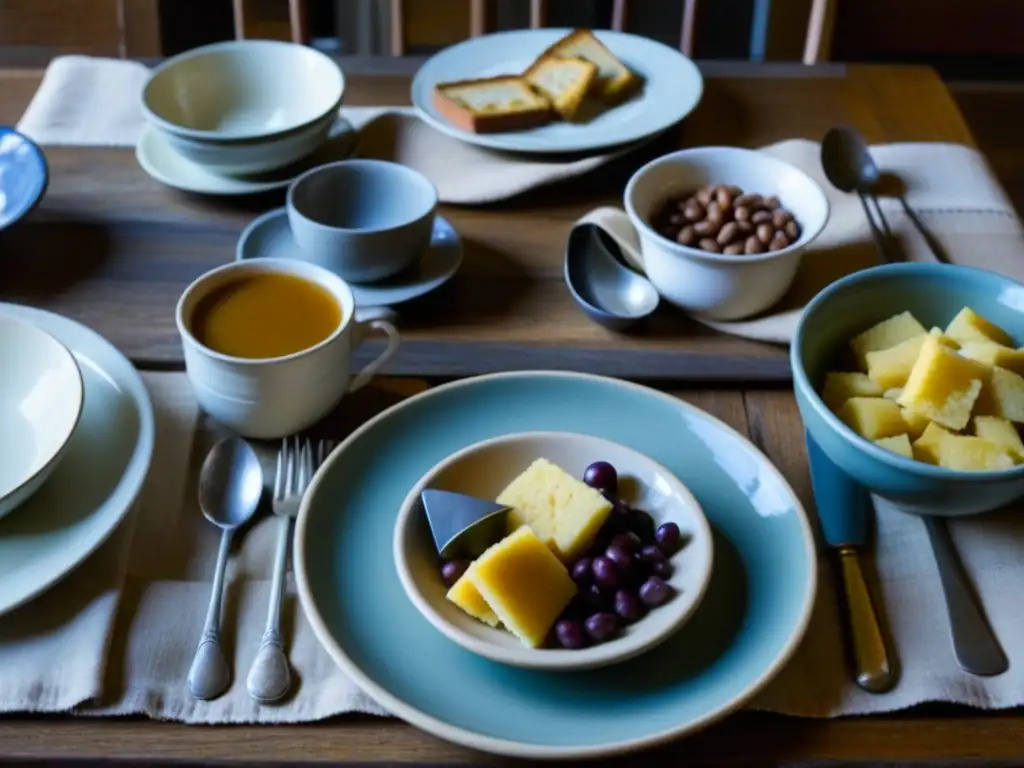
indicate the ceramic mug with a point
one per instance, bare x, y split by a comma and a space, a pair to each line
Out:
275, 397
364, 220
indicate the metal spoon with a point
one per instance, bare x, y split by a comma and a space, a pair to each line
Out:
849, 167
230, 486
609, 292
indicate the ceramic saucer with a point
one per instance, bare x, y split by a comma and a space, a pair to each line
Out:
167, 166
23, 175
270, 236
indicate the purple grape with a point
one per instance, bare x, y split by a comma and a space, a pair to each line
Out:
643, 526
606, 573
651, 553
570, 634
594, 598
452, 571
654, 592
628, 605
619, 555
601, 626
602, 476
581, 571
662, 569
629, 541
668, 538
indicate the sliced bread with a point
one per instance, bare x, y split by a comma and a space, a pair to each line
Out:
615, 82
492, 104
565, 82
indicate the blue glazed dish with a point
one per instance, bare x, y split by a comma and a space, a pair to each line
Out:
934, 293
750, 621
24, 176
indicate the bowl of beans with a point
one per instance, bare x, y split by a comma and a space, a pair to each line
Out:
722, 230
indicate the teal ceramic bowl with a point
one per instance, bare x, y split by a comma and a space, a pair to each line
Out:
934, 293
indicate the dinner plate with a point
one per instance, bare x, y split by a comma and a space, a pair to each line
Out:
161, 161
24, 175
749, 623
270, 236
97, 480
672, 88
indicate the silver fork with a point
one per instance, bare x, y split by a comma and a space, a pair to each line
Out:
270, 676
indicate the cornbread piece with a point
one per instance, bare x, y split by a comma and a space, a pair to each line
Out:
916, 422
968, 325
943, 385
993, 354
926, 447
840, 387
891, 367
949, 341
899, 444
1000, 432
1002, 396
525, 585
564, 82
492, 104
972, 454
469, 599
565, 513
885, 334
615, 81
873, 417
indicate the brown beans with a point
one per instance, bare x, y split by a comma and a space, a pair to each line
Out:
722, 218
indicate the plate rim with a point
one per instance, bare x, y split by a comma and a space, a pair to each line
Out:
136, 470
43, 167
500, 746
488, 141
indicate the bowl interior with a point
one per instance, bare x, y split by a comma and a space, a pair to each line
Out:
40, 399
243, 89
483, 470
755, 172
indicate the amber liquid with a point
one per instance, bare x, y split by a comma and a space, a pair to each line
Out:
264, 316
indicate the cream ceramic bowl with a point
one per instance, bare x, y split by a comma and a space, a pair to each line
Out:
41, 397
483, 470
245, 106
712, 285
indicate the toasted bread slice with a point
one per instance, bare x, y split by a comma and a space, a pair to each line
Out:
565, 82
492, 104
615, 82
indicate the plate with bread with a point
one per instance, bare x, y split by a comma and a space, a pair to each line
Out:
556, 90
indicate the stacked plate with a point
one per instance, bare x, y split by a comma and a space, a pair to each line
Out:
242, 117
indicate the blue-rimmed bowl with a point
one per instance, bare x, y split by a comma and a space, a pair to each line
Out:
747, 626
934, 293
24, 175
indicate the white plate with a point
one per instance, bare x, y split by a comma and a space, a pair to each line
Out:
672, 88
160, 160
269, 236
95, 483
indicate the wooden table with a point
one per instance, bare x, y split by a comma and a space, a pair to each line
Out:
113, 249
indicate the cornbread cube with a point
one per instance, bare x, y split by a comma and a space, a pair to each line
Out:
873, 417
525, 585
885, 334
1003, 396
840, 387
1000, 432
916, 423
968, 325
943, 385
992, 354
564, 512
947, 340
972, 454
469, 599
926, 447
899, 444
891, 367
893, 393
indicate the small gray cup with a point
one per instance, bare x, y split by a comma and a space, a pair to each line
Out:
364, 220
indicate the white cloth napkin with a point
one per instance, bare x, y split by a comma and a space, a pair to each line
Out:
950, 187
87, 101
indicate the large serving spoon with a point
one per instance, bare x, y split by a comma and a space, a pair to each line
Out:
230, 486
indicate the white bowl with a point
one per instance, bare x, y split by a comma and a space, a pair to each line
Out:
483, 470
41, 396
713, 285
